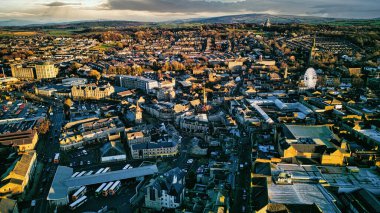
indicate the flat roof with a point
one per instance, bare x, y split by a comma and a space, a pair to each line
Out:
346, 181
371, 133
58, 190
302, 193
111, 176
301, 131
63, 181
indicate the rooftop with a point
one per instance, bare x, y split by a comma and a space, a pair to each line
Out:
62, 180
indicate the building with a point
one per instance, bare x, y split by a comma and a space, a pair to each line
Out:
165, 111
40, 71
46, 71
91, 130
316, 143
45, 91
166, 191
21, 140
112, 151
136, 82
360, 201
69, 82
18, 71
235, 65
160, 148
19, 176
63, 183
91, 91
299, 185
193, 123
137, 138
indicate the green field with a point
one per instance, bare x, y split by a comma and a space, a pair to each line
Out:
60, 32
375, 22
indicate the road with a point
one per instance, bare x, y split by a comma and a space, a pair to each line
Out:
47, 146
242, 178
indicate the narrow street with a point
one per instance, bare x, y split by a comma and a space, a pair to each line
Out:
242, 181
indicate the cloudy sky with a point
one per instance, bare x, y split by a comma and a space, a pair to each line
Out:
163, 10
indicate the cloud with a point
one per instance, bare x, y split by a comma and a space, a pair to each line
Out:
331, 8
178, 6
60, 4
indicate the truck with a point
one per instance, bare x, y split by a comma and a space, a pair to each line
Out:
106, 188
114, 188
56, 158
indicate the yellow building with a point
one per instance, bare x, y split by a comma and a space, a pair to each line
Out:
18, 71
91, 91
18, 178
40, 71
312, 142
23, 141
46, 71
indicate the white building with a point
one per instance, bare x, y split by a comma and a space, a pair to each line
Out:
166, 191
136, 82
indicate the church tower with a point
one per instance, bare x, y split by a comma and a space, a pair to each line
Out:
204, 94
138, 114
267, 23
286, 73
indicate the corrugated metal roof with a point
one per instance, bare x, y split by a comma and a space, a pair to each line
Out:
63, 181
58, 190
111, 176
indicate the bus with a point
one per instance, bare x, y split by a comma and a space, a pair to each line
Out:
75, 174
56, 158
106, 170
99, 171
89, 173
126, 166
78, 203
105, 189
114, 188
81, 174
99, 190
79, 193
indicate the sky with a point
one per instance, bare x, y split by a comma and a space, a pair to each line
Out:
165, 10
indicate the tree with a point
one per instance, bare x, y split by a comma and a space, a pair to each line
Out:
357, 82
75, 66
120, 45
68, 102
44, 126
95, 74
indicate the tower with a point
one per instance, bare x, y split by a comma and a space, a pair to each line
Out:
286, 73
204, 94
138, 113
267, 23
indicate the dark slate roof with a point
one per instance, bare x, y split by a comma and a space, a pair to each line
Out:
309, 148
262, 168
166, 182
153, 145
112, 148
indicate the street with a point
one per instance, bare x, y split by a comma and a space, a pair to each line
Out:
241, 199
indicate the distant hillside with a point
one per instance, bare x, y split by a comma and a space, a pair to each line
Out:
279, 19
244, 18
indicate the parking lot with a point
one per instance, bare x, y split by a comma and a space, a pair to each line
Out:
119, 202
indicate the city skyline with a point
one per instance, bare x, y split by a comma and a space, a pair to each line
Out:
168, 10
